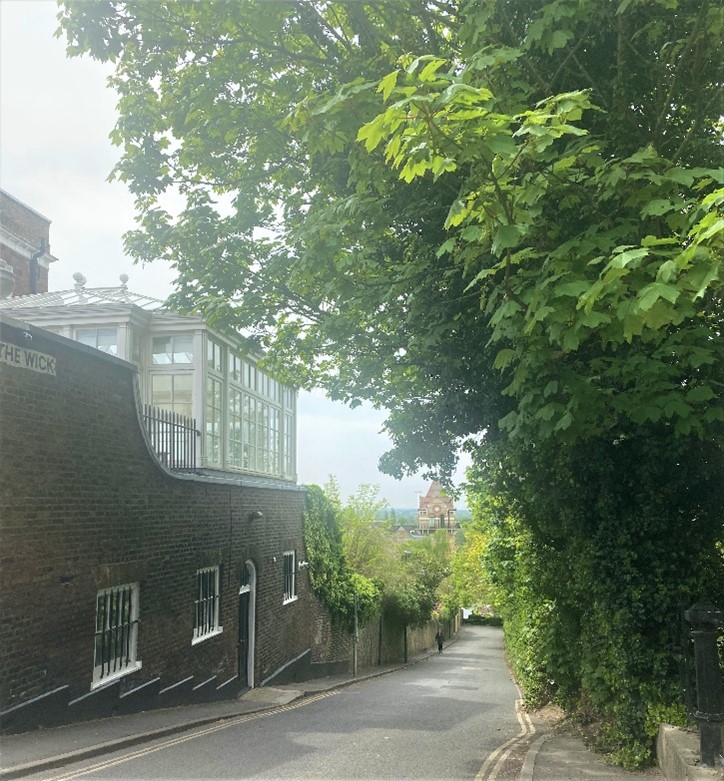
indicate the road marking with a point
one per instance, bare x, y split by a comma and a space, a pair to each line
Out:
496, 759
225, 724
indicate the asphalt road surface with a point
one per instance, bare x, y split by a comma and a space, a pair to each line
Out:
452, 716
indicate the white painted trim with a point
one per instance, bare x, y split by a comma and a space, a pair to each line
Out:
216, 569
24, 248
115, 676
135, 610
284, 666
293, 598
213, 633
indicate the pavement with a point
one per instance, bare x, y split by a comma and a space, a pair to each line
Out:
550, 757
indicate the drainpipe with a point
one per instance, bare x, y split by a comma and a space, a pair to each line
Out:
33, 275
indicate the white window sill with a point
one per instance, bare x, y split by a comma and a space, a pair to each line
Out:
132, 668
289, 601
208, 635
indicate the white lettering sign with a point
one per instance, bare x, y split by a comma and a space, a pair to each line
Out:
27, 359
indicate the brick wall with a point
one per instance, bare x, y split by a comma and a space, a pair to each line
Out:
31, 230
84, 506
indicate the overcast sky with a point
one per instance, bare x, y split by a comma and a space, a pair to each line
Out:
55, 156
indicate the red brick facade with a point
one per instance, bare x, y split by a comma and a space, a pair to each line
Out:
24, 232
84, 506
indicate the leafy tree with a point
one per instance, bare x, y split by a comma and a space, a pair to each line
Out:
549, 254
367, 542
470, 584
280, 222
412, 576
343, 591
500, 220
417, 587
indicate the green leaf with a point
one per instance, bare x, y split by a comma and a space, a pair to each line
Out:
657, 207
571, 340
506, 237
502, 145
430, 70
700, 393
550, 388
573, 289
624, 256
459, 210
503, 358
388, 84
650, 294
564, 423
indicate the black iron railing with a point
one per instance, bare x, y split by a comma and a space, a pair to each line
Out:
173, 437
702, 677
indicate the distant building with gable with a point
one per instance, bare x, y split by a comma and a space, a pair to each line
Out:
436, 511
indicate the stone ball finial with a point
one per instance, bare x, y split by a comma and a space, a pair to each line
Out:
124, 279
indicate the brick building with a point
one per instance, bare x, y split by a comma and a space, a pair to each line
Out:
126, 579
25, 245
436, 511
115, 571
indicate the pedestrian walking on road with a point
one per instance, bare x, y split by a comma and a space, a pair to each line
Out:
439, 637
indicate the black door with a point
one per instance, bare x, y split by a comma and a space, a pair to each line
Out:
244, 601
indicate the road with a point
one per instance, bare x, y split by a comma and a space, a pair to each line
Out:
452, 716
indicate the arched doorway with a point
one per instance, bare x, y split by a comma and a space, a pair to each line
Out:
247, 623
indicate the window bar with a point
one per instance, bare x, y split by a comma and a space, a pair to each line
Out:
100, 628
204, 604
107, 630
212, 600
212, 611
202, 615
118, 649
109, 624
126, 627
116, 599
205, 600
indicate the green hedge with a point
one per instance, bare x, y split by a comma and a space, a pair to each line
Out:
590, 552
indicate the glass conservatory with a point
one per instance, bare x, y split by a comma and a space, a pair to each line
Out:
245, 420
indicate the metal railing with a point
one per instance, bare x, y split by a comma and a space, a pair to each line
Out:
172, 436
701, 676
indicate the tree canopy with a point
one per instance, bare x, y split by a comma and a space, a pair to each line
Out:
474, 213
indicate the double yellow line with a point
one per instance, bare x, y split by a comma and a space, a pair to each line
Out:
495, 761
197, 733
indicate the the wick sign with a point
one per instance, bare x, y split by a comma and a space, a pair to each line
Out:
14, 355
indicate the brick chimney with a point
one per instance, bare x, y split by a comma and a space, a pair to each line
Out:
25, 245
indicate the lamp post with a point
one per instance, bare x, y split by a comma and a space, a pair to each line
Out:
355, 639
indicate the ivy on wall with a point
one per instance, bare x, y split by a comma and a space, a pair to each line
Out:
340, 589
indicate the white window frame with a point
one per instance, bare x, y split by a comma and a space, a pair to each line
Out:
289, 575
95, 332
172, 339
206, 626
125, 643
